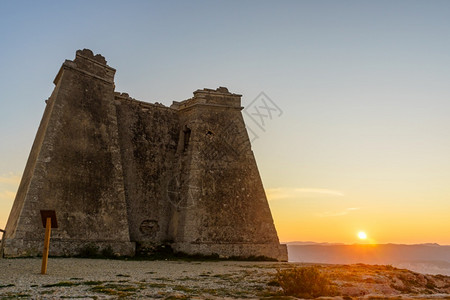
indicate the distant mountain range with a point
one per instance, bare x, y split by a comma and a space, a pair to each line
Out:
423, 258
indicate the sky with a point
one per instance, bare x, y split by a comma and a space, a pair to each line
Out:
360, 139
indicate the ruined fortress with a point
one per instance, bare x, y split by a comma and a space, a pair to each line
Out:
128, 175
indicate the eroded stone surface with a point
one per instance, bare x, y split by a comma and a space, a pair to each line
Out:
121, 172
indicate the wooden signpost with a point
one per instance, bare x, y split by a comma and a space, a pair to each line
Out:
48, 221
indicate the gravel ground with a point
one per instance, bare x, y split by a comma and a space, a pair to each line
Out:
109, 279
79, 278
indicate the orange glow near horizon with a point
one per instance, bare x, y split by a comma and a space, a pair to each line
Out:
319, 216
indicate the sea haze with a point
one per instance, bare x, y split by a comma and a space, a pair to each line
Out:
422, 258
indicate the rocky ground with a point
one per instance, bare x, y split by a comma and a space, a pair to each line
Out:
181, 279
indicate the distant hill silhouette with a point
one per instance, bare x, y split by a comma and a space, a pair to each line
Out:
423, 258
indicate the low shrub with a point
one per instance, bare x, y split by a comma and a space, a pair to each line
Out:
89, 251
305, 282
108, 252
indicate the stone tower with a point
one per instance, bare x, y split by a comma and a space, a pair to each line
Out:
132, 175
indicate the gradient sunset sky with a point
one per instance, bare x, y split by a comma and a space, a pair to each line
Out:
362, 139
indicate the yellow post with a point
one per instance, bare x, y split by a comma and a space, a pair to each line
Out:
48, 229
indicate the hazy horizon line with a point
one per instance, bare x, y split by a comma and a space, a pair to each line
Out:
359, 243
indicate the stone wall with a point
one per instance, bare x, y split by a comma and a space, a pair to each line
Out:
74, 168
228, 213
149, 134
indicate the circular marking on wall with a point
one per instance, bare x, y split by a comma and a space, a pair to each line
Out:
149, 228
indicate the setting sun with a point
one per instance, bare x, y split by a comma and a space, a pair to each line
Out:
362, 235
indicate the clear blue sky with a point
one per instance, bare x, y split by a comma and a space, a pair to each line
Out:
362, 144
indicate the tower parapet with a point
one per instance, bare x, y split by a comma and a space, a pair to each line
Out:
89, 64
219, 97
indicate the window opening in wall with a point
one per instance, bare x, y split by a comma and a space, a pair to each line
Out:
187, 136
